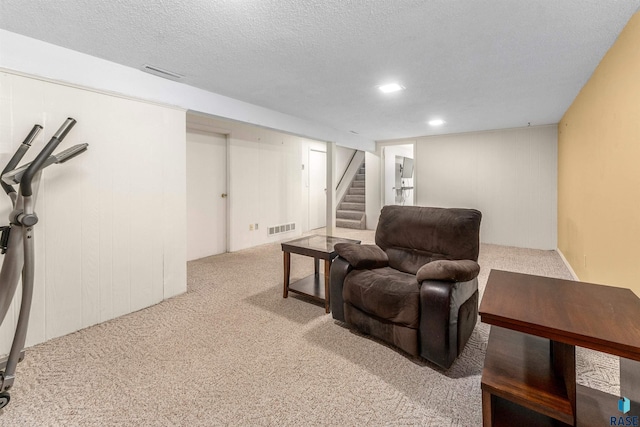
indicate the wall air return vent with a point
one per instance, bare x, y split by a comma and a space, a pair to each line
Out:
284, 228
161, 73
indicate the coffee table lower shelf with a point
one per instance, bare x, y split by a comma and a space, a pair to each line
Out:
521, 386
311, 286
594, 409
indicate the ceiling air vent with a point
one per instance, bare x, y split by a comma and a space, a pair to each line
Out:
161, 73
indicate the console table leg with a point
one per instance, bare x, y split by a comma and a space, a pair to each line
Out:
487, 409
563, 359
630, 379
327, 268
287, 272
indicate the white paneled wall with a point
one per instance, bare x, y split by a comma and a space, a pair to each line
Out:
268, 180
267, 184
111, 236
509, 175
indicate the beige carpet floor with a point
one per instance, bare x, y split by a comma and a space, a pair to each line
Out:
232, 351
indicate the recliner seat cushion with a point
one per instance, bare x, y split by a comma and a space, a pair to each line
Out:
401, 336
385, 293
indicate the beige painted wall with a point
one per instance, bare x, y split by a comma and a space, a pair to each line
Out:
599, 171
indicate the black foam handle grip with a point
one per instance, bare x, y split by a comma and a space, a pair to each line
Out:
38, 163
65, 128
4, 239
32, 135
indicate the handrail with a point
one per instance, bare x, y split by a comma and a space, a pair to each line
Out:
353, 156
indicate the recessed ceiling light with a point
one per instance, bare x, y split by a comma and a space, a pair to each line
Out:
391, 87
436, 122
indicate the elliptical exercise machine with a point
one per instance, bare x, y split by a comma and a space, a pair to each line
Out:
16, 241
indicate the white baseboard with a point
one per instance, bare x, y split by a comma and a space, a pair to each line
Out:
566, 263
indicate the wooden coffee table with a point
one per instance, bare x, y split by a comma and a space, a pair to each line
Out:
529, 375
318, 247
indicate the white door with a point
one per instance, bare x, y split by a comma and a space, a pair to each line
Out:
317, 189
206, 194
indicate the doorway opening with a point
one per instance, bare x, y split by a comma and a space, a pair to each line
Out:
399, 175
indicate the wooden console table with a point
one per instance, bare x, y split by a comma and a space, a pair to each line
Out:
318, 247
529, 375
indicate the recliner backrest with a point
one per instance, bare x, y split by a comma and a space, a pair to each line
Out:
413, 236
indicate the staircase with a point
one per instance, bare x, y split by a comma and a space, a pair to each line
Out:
350, 212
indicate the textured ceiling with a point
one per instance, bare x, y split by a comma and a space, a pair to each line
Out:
479, 65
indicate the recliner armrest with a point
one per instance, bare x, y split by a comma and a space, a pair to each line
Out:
449, 270
339, 270
362, 256
440, 302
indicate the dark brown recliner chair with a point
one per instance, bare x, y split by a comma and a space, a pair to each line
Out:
417, 287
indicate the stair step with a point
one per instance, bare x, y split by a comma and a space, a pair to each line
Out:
349, 223
354, 198
345, 214
350, 206
351, 212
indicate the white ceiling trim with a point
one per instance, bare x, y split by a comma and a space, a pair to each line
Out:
67, 66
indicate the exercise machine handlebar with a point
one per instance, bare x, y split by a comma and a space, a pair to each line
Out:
70, 152
16, 176
38, 163
17, 156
